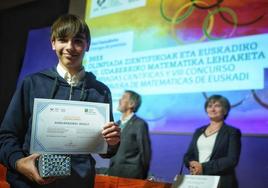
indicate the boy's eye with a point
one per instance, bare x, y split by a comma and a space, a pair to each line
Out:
77, 40
73, 40
62, 39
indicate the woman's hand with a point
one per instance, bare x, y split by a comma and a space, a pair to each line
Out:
195, 168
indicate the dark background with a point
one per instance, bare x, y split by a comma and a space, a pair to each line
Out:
18, 17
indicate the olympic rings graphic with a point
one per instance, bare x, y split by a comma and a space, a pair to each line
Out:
209, 23
227, 10
179, 19
209, 19
207, 7
241, 24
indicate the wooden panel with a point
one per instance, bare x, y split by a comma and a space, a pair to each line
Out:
117, 182
3, 183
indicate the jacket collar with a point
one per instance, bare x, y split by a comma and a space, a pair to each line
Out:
219, 139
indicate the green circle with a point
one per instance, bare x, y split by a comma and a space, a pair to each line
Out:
221, 9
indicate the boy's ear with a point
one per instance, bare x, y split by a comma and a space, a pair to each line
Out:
52, 44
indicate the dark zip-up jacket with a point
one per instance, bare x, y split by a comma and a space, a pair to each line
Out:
15, 130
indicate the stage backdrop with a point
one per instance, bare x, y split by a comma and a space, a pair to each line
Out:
176, 53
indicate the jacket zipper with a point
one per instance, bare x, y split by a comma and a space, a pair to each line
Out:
71, 93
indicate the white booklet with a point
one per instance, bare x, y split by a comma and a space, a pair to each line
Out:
196, 181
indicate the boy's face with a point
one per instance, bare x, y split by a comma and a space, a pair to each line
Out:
70, 51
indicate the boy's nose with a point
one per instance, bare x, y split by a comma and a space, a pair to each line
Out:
70, 44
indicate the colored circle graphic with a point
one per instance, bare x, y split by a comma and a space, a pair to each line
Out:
178, 19
209, 25
208, 6
211, 14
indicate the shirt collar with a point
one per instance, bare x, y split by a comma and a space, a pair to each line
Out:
72, 80
127, 118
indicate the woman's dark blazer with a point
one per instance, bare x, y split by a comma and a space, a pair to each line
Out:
224, 157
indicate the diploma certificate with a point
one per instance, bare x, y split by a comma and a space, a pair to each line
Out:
196, 181
68, 127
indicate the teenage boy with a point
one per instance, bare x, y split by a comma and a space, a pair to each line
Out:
70, 39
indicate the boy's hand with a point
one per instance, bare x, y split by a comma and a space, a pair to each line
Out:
26, 166
111, 133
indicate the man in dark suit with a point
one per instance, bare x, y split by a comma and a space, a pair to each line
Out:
132, 159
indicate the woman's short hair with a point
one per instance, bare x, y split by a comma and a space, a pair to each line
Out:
222, 100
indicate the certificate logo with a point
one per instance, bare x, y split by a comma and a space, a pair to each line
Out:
90, 111
100, 2
106, 7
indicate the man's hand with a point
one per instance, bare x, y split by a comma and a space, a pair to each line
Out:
111, 133
26, 166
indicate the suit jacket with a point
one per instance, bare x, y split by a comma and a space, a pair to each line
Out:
224, 157
132, 159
